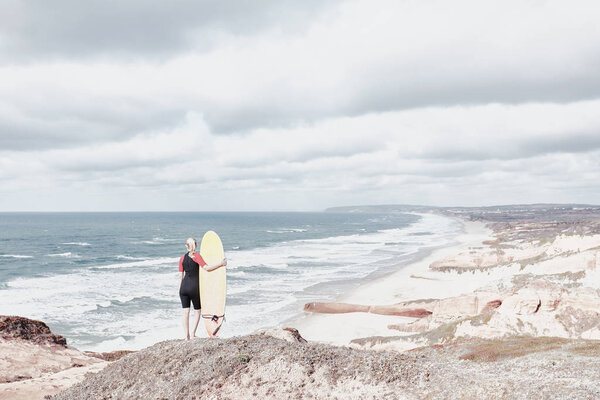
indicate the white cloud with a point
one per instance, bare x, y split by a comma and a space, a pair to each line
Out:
435, 153
362, 58
421, 102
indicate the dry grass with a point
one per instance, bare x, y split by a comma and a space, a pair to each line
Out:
495, 350
590, 349
116, 355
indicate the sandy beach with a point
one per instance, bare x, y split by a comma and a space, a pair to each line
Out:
410, 282
534, 276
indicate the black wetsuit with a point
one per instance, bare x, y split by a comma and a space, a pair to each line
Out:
190, 284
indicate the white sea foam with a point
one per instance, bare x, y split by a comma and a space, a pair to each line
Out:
68, 254
71, 297
271, 284
124, 257
77, 243
149, 329
14, 256
159, 240
143, 263
287, 230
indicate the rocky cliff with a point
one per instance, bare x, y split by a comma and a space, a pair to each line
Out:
34, 362
265, 367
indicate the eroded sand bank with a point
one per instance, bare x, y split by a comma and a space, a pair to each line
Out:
528, 278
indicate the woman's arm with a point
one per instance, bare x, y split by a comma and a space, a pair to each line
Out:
181, 269
213, 267
208, 267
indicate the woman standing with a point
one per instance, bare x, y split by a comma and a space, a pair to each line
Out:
189, 289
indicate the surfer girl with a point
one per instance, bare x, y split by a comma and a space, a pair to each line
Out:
189, 289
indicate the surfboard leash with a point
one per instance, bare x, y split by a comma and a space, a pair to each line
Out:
214, 318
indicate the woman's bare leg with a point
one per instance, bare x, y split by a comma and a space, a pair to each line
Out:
186, 322
196, 320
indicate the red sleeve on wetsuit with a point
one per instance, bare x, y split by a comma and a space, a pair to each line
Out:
199, 260
181, 264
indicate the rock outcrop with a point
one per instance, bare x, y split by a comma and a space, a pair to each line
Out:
290, 335
12, 327
35, 363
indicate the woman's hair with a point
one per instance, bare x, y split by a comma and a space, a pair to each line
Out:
191, 245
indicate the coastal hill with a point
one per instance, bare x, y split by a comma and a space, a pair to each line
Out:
502, 213
535, 272
280, 364
264, 367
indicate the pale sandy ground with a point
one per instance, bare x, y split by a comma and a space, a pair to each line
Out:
47, 384
414, 281
32, 371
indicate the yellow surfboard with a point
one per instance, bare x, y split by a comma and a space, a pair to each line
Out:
212, 284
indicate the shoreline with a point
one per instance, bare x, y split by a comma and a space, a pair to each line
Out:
379, 273
410, 282
530, 275
273, 275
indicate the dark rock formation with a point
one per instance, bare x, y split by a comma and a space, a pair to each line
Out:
12, 327
295, 334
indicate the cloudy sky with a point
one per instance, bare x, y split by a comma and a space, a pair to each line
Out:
297, 105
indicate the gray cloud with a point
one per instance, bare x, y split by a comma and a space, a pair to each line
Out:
570, 141
409, 89
30, 30
324, 70
57, 127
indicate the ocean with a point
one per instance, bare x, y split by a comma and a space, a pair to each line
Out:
109, 281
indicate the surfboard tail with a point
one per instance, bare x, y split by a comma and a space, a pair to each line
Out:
213, 319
